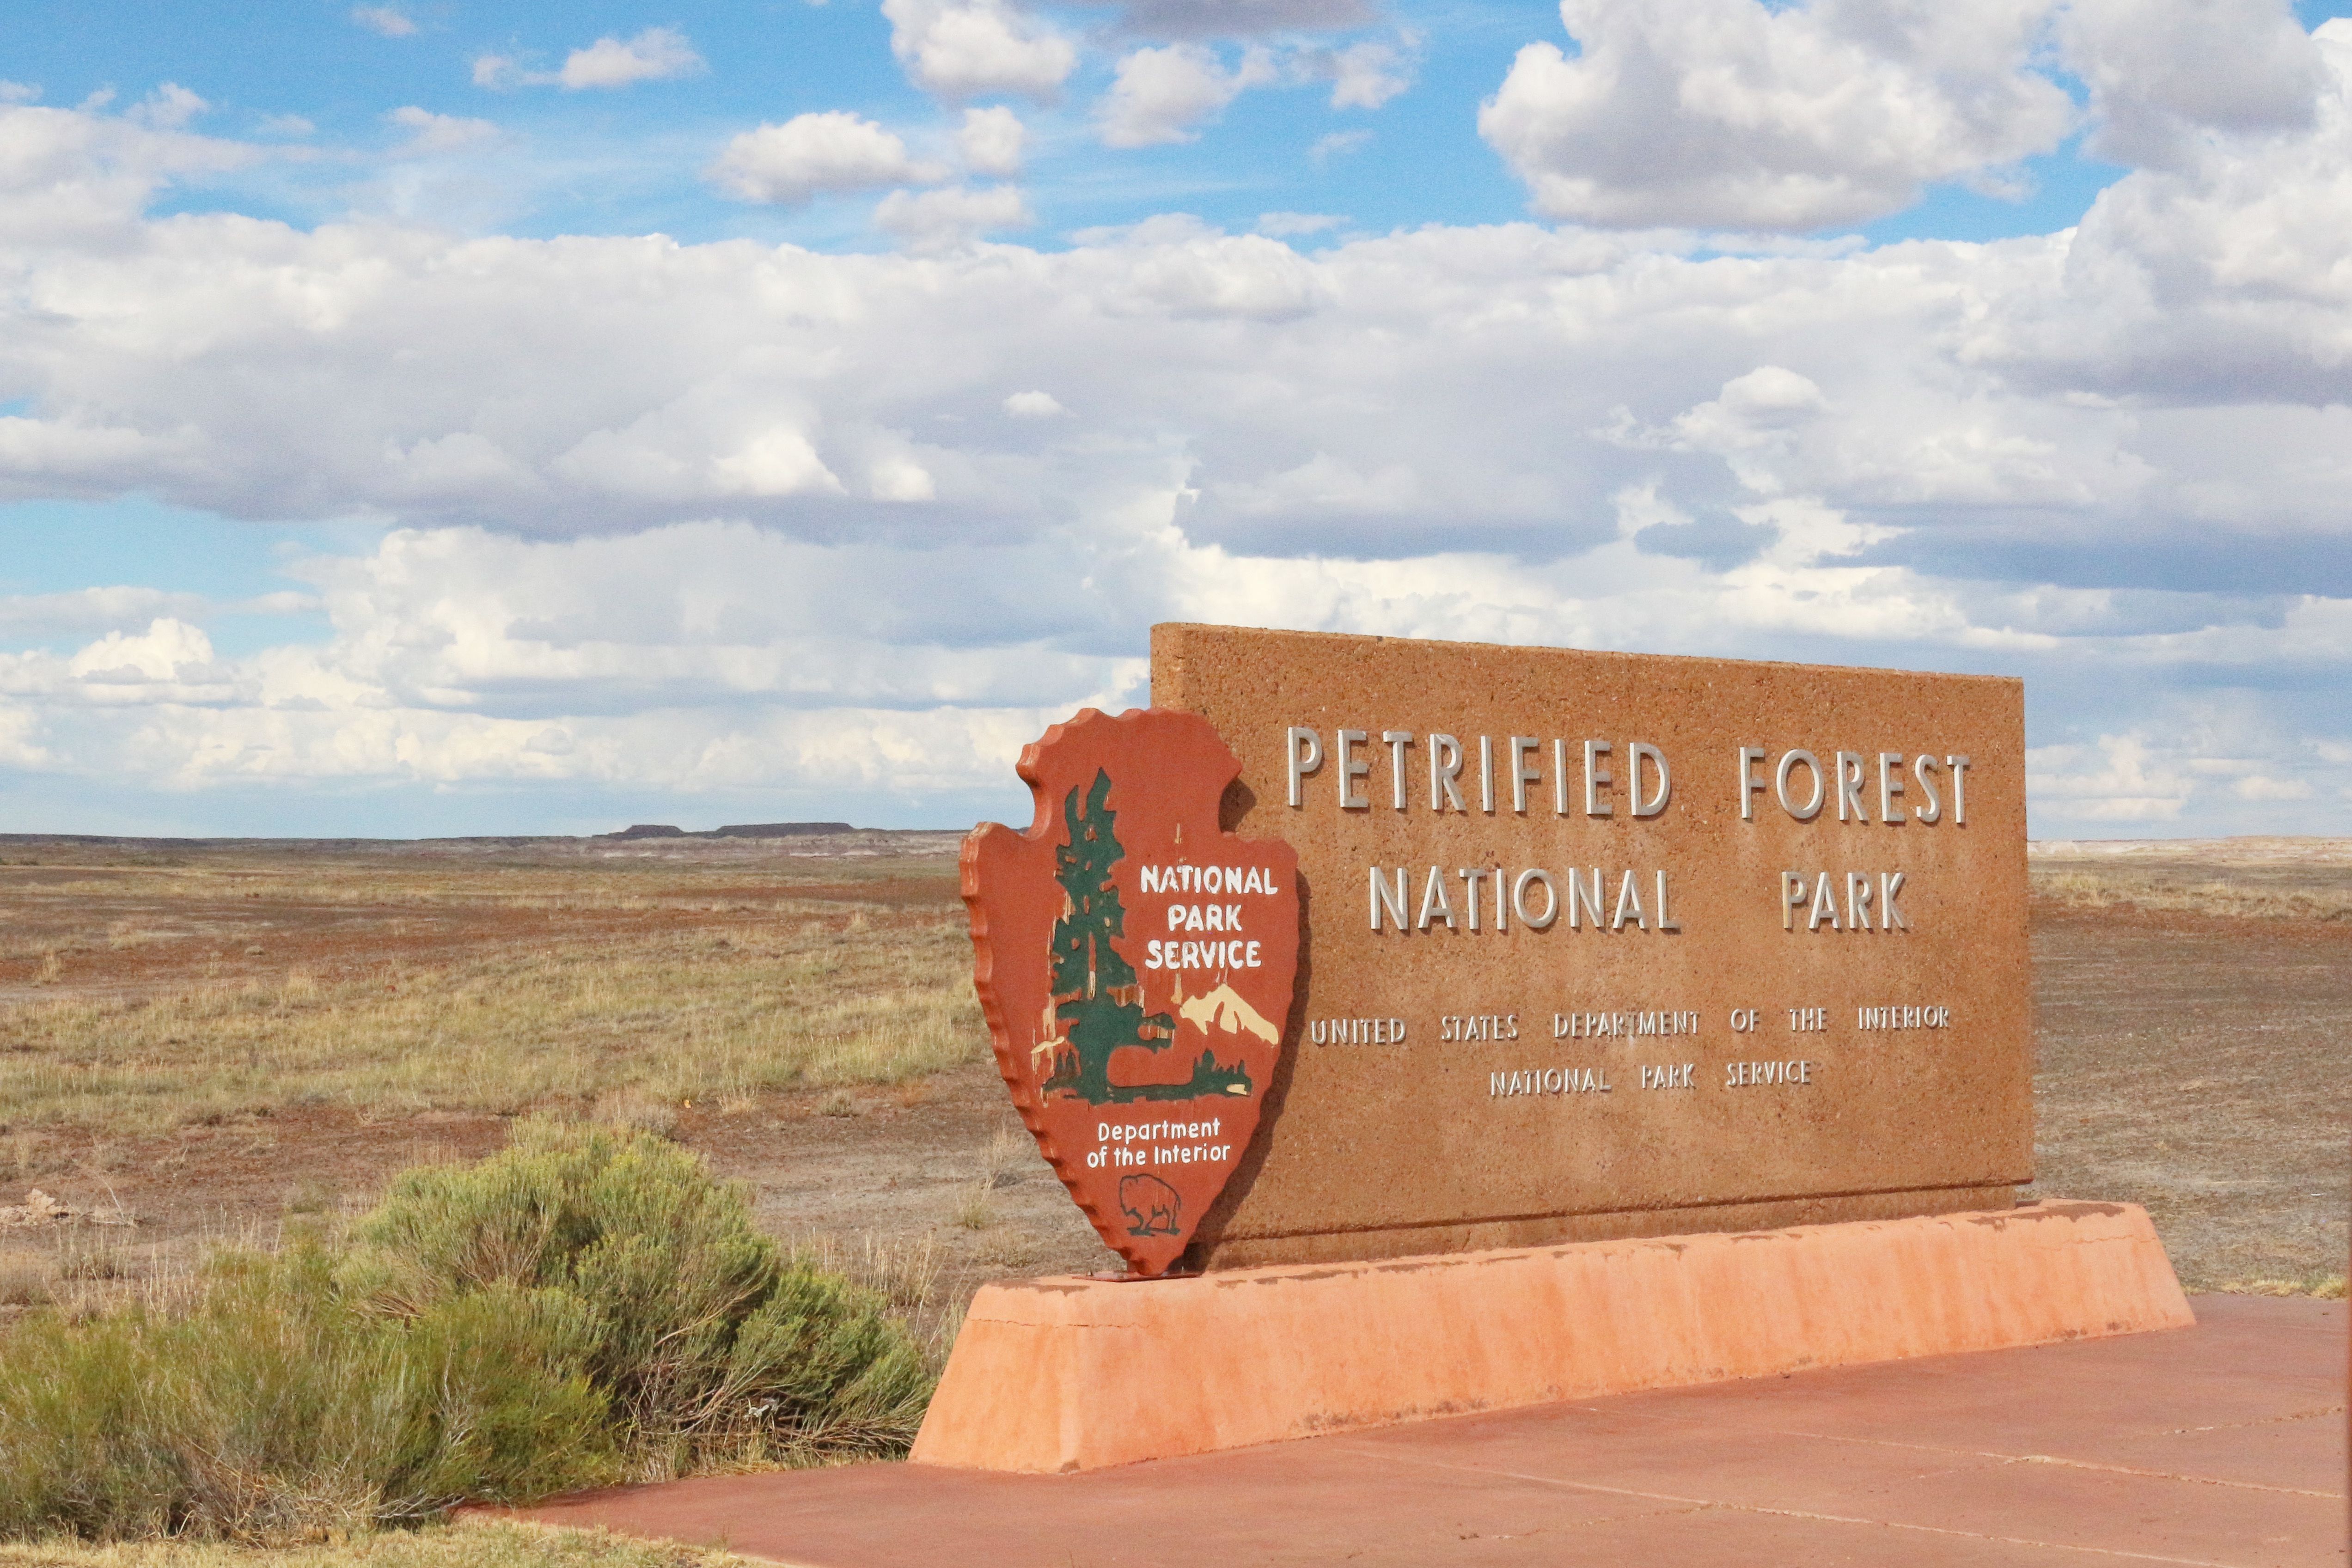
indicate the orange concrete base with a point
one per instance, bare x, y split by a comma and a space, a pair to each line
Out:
1062, 1375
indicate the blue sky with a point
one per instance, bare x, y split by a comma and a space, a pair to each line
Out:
459, 417
589, 161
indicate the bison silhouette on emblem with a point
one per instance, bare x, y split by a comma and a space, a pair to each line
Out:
1151, 1204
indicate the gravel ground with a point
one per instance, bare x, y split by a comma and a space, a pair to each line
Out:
2199, 1066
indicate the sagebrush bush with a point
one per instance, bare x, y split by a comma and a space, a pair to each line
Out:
709, 1339
587, 1306
269, 1407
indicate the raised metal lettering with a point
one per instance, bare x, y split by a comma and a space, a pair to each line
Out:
1749, 784
1522, 775
1434, 904
1890, 918
1922, 768
1825, 905
1398, 739
1352, 768
1636, 752
1531, 877
1857, 900
1596, 779
1582, 897
1304, 760
1444, 771
1849, 786
1629, 896
1811, 808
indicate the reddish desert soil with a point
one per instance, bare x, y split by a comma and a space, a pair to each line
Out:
2190, 1063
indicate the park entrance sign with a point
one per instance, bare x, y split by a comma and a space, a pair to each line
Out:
1587, 945
1605, 945
1438, 1026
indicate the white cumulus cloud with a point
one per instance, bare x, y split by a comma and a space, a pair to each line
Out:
830, 150
2165, 74
932, 221
1366, 74
960, 48
76, 175
1736, 114
991, 140
168, 108
657, 54
1161, 95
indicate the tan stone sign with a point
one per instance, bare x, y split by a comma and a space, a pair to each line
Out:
1609, 944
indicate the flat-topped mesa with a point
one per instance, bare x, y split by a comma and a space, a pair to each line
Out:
734, 831
1601, 944
782, 830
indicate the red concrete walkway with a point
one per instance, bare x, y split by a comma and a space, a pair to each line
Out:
2223, 1444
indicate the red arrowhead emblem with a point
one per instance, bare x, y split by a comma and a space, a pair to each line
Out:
1135, 964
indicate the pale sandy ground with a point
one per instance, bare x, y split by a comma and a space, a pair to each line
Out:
2200, 1062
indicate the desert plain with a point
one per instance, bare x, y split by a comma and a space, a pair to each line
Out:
208, 1041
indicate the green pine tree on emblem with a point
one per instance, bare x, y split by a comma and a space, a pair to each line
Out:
1097, 993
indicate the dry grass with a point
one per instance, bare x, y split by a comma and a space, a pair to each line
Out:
26, 1280
999, 1168
467, 1544
157, 888
665, 1017
2312, 893
144, 990
906, 1273
909, 1272
974, 1211
636, 1110
2325, 1287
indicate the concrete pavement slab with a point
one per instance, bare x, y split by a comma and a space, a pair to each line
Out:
2222, 1445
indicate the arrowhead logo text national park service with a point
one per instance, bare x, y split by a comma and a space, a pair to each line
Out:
1136, 965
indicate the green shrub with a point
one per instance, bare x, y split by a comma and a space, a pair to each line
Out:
585, 1307
713, 1343
268, 1408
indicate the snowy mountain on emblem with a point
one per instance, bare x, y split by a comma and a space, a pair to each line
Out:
1223, 1008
